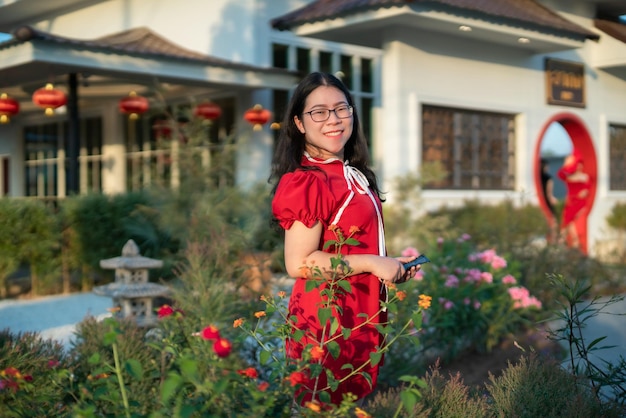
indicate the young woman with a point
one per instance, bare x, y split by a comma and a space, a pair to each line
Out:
323, 179
578, 185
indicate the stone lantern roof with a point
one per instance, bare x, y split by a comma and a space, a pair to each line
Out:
130, 259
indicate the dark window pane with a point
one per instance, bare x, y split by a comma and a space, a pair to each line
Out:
617, 157
280, 56
476, 149
346, 69
326, 62
367, 83
304, 60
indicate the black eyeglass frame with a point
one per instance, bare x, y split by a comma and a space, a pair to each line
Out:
328, 111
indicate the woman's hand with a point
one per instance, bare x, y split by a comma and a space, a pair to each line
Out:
390, 270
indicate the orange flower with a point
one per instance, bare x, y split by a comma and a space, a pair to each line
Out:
249, 372
263, 298
354, 229
401, 294
222, 347
237, 322
296, 378
282, 294
361, 413
260, 314
333, 227
392, 286
313, 406
424, 301
263, 386
317, 352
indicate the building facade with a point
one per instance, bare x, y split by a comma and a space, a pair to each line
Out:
470, 85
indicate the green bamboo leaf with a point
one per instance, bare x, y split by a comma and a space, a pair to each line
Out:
134, 368
333, 349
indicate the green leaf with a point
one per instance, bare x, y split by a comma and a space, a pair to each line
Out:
334, 325
324, 315
409, 400
333, 349
189, 368
345, 285
346, 333
324, 397
352, 241
109, 338
169, 387
298, 335
417, 320
332, 382
94, 359
376, 357
264, 356
134, 368
329, 243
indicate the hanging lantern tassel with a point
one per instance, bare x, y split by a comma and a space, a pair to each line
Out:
134, 105
257, 117
8, 107
49, 98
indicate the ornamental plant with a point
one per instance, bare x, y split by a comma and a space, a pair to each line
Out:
477, 301
179, 368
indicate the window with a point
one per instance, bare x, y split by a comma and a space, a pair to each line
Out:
46, 152
617, 157
476, 149
4, 175
164, 149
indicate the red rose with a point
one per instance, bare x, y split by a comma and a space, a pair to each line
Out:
165, 310
210, 333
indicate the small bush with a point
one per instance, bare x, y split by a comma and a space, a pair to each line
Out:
29, 375
542, 388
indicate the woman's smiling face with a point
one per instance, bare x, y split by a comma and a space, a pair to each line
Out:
325, 139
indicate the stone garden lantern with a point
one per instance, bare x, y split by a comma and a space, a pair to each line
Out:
132, 294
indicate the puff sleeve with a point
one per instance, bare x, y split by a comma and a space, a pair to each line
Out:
304, 196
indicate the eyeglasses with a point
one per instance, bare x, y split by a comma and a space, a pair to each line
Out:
322, 115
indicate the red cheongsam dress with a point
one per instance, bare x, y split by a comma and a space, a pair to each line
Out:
336, 193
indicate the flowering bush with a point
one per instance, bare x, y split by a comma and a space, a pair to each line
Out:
476, 300
181, 369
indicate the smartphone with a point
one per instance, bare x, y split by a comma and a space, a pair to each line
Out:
419, 260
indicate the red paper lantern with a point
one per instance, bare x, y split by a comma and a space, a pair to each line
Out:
49, 98
257, 116
208, 111
134, 105
8, 108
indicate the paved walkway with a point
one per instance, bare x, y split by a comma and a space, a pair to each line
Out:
52, 316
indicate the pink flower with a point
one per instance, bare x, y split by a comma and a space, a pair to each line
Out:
486, 277
410, 252
508, 279
466, 237
452, 281
477, 305
498, 263
439, 241
522, 299
419, 276
467, 301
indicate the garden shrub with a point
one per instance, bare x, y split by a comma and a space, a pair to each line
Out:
538, 387
29, 372
477, 302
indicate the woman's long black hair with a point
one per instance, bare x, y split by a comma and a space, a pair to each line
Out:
291, 142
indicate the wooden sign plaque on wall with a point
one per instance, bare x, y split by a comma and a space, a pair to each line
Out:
565, 83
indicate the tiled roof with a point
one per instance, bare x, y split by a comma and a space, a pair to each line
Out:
615, 29
527, 12
137, 41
